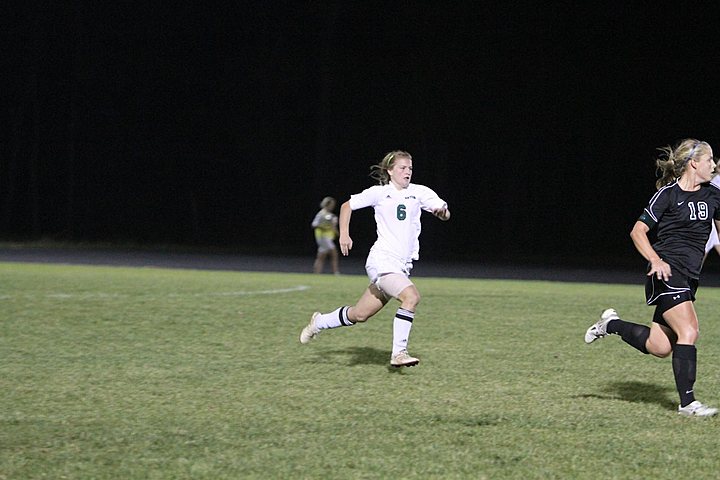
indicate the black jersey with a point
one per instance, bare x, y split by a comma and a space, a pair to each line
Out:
683, 221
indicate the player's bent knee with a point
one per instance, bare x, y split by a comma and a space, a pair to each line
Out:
660, 351
688, 336
410, 297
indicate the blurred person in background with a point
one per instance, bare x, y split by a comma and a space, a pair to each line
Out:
325, 226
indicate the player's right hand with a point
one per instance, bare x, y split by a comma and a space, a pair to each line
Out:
345, 244
660, 269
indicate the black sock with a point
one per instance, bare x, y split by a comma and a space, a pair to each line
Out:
684, 362
631, 333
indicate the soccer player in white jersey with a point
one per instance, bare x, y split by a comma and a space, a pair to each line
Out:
398, 205
680, 213
713, 241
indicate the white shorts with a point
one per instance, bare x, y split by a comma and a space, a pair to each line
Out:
379, 265
325, 244
392, 284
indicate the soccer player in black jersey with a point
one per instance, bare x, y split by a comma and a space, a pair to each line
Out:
681, 212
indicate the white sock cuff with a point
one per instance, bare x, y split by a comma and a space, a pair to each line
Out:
336, 318
406, 315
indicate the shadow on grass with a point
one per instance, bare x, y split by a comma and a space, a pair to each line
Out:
485, 420
363, 356
637, 392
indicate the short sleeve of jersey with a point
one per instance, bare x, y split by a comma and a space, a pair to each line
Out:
647, 220
429, 199
366, 198
656, 207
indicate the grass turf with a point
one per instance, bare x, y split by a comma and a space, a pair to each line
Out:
154, 373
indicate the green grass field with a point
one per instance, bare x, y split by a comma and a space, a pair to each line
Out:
143, 373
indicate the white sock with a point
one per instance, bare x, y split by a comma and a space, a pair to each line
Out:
334, 319
401, 329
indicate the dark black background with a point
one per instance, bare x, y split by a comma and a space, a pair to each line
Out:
210, 125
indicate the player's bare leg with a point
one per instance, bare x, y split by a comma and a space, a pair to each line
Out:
335, 262
319, 262
371, 302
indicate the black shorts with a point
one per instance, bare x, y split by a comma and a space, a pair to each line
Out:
665, 295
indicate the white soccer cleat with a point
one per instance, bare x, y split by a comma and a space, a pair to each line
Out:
403, 359
310, 331
599, 329
697, 409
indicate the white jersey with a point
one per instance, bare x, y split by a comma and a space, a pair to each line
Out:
397, 216
713, 238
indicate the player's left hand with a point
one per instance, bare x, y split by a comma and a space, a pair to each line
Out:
442, 213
